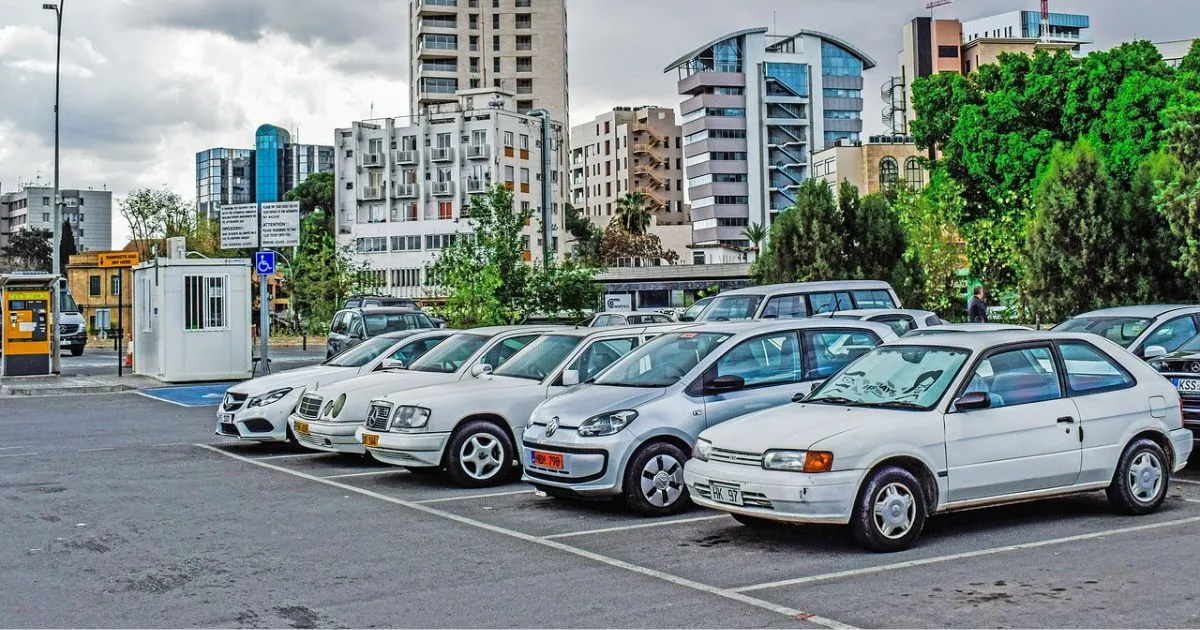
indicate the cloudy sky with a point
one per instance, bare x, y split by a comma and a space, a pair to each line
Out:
148, 83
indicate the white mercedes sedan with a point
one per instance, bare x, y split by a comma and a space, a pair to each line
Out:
935, 424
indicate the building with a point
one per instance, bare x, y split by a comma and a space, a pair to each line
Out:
1173, 52
671, 286
1064, 28
519, 46
97, 290
404, 185
88, 211
629, 150
878, 165
756, 106
263, 174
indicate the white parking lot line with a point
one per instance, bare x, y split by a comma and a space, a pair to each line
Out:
10, 448
364, 474
18, 455
97, 450
1187, 481
552, 544
293, 455
468, 497
622, 528
961, 556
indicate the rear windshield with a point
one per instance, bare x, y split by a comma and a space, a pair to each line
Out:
362, 354
1122, 330
381, 323
731, 308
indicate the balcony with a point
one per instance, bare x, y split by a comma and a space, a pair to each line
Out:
441, 154
477, 152
400, 156
476, 185
442, 189
404, 191
425, 7
371, 193
372, 160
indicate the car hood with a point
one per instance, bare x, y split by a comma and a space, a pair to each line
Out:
468, 391
398, 379
798, 426
309, 377
582, 402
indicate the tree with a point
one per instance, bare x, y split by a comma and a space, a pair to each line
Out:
807, 240
928, 218
315, 193
756, 234
29, 250
1152, 249
66, 246
1179, 199
874, 239
319, 276
617, 243
567, 288
632, 215
155, 214
586, 235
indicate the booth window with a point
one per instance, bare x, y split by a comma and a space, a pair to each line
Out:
204, 302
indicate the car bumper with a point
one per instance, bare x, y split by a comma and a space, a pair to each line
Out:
1185, 441
331, 437
592, 467
776, 495
77, 340
405, 449
258, 424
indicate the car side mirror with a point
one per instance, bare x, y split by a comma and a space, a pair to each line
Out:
1153, 352
392, 364
570, 378
727, 383
480, 369
972, 401
356, 335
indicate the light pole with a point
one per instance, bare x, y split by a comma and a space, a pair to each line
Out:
55, 266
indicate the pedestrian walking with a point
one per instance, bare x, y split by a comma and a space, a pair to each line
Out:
977, 308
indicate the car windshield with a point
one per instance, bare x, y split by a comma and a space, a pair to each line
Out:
537, 360
694, 310
66, 303
1191, 345
361, 354
448, 356
1122, 330
731, 308
380, 323
663, 361
913, 377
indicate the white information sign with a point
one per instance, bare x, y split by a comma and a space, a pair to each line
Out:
617, 302
281, 224
239, 226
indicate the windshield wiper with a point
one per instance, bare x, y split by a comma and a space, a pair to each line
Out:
897, 404
836, 400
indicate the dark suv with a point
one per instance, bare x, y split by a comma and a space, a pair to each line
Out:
352, 326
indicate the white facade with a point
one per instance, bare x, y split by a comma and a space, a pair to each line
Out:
88, 211
1065, 28
404, 185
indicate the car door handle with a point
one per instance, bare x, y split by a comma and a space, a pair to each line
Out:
1066, 420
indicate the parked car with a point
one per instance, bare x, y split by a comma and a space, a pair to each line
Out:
931, 425
327, 416
1147, 331
362, 301
691, 313
805, 299
627, 433
628, 319
258, 409
352, 326
900, 319
469, 429
1182, 368
944, 329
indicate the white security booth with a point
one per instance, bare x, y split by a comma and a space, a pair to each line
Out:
192, 319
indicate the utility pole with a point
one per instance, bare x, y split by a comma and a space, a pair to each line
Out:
55, 266
547, 190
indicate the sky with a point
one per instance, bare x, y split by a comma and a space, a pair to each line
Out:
148, 83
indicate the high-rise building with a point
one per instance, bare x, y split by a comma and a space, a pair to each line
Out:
517, 45
223, 177
629, 150
756, 106
403, 186
88, 211
263, 174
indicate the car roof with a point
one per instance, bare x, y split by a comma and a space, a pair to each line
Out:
1140, 310
491, 331
414, 332
586, 331
826, 285
368, 310
755, 326
984, 340
868, 312
976, 328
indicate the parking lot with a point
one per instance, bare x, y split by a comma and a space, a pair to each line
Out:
120, 510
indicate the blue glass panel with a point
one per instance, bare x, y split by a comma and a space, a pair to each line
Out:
838, 62
793, 76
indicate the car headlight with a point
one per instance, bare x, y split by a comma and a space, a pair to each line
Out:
410, 418
798, 461
703, 450
607, 423
268, 398
338, 405
328, 409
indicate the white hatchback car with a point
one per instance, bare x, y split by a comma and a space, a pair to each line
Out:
934, 424
902, 320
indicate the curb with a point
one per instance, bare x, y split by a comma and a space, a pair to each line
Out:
33, 392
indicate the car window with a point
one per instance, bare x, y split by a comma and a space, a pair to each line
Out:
1016, 377
827, 351
830, 302
785, 307
731, 308
933, 320
767, 360
875, 298
600, 355
340, 324
356, 325
539, 359
602, 320
504, 350
450, 355
414, 350
353, 303
660, 319
380, 323
694, 310
1091, 371
900, 376
663, 361
1120, 330
899, 323
361, 354
1172, 334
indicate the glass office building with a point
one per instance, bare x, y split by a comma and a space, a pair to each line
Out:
223, 177
270, 163
262, 174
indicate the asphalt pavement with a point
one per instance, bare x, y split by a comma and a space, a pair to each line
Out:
123, 511
97, 361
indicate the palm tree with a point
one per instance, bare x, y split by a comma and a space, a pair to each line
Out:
756, 234
632, 214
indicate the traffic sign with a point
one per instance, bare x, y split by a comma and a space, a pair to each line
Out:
118, 259
281, 224
239, 226
264, 263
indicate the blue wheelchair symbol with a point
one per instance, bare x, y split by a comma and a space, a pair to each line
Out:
264, 263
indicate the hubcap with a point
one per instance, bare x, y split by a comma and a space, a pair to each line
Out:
481, 456
895, 510
661, 484
1145, 477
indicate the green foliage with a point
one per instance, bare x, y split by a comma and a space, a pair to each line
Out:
585, 234
632, 215
28, 250
1179, 199
1191, 61
315, 193
472, 301
756, 234
617, 243
806, 240
935, 253
66, 245
567, 288
154, 214
320, 275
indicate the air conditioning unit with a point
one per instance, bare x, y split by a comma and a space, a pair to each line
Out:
177, 248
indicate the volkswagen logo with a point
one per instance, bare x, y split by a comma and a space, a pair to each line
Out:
1195, 367
552, 426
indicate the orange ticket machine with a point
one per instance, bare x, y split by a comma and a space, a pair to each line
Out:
25, 305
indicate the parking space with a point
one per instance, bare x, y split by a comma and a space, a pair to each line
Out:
189, 395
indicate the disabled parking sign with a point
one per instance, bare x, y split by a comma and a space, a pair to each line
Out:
264, 263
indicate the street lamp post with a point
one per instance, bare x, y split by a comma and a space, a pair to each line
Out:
55, 266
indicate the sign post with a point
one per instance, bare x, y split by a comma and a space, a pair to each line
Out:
119, 261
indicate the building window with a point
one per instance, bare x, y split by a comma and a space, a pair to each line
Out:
914, 175
524, 42
839, 62
204, 302
114, 285
440, 42
524, 86
438, 241
406, 243
496, 21
439, 85
508, 174
93, 286
524, 64
889, 173
373, 245
495, 43
524, 21
948, 52
508, 139
524, 4
496, 65
524, 146
524, 106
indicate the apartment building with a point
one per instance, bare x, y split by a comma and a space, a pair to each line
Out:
403, 186
88, 211
629, 150
516, 45
264, 174
755, 107
880, 164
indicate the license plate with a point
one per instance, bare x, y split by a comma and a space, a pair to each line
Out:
726, 493
370, 439
553, 461
302, 428
1187, 385
225, 418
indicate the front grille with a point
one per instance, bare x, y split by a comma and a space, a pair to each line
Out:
310, 406
233, 401
68, 329
735, 457
311, 439
1182, 368
378, 416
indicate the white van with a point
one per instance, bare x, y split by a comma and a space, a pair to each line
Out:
802, 299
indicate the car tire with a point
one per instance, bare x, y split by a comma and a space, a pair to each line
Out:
1140, 482
76, 351
755, 522
480, 455
423, 471
653, 483
889, 512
